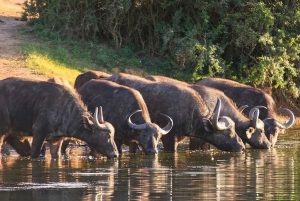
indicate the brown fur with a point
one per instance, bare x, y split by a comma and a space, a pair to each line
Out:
51, 112
61, 81
87, 76
119, 101
243, 94
243, 124
181, 103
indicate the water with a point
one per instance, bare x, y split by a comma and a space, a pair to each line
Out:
199, 175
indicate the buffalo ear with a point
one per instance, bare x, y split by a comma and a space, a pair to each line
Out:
207, 125
249, 132
87, 123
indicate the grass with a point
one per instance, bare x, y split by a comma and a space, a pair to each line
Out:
68, 59
53, 61
51, 55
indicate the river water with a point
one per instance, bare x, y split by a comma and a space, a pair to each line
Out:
199, 175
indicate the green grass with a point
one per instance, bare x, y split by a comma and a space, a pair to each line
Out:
53, 61
67, 59
50, 55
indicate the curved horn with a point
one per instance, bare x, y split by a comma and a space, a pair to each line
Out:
133, 125
100, 125
241, 109
165, 130
291, 120
215, 118
251, 113
254, 112
101, 115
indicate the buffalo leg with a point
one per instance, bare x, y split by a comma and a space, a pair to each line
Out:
64, 147
55, 148
196, 144
37, 143
22, 146
133, 147
169, 144
1, 143
119, 146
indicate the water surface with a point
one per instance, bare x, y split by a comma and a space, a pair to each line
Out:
199, 175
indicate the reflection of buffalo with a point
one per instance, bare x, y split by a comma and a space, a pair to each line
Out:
87, 76
251, 130
48, 111
189, 113
243, 94
47, 179
119, 101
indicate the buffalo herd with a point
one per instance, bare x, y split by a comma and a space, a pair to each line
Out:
108, 110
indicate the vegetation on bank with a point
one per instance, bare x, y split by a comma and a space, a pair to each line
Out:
254, 42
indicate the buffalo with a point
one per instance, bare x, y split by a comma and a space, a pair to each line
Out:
250, 130
190, 115
47, 111
65, 83
87, 76
243, 94
124, 106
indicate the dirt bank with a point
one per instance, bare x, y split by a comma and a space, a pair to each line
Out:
12, 62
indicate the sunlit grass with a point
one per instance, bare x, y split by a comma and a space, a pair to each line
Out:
51, 61
50, 68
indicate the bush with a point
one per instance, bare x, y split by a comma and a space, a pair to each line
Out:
256, 42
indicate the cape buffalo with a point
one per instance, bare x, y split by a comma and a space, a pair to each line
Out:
65, 83
243, 94
22, 145
48, 111
250, 130
190, 115
87, 76
60, 81
124, 105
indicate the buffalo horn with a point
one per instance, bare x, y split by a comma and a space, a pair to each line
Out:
254, 109
165, 130
291, 120
215, 118
241, 109
133, 125
253, 115
96, 119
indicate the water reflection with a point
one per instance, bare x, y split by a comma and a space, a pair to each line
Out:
199, 175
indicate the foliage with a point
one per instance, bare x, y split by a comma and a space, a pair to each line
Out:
67, 58
255, 42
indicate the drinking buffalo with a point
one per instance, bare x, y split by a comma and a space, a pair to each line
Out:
65, 83
190, 115
87, 76
60, 81
48, 111
123, 106
250, 130
243, 94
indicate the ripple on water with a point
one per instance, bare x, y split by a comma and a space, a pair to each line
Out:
54, 185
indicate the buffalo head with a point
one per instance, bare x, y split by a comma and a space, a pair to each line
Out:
101, 135
274, 127
255, 133
220, 131
148, 134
